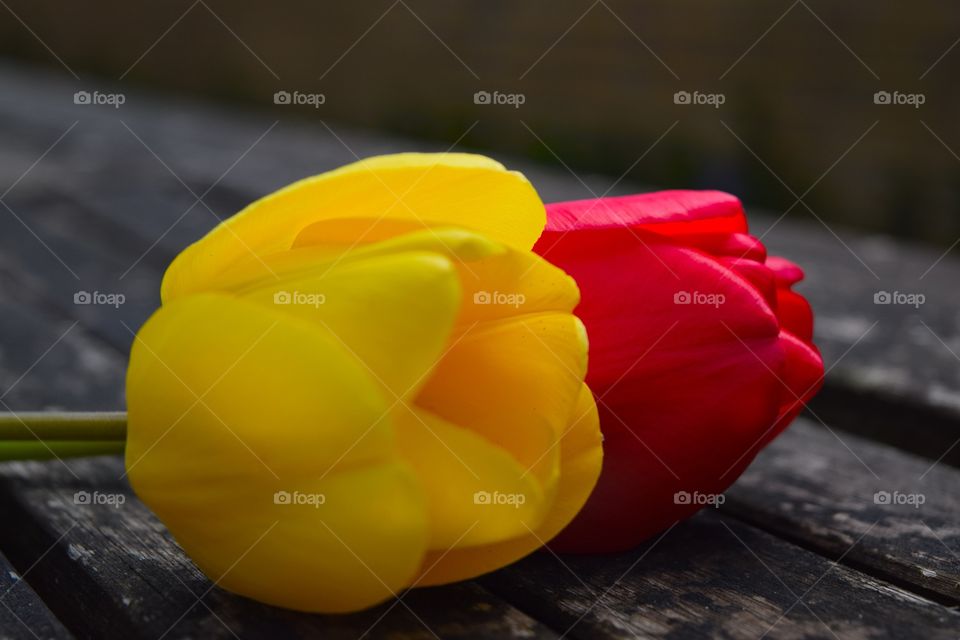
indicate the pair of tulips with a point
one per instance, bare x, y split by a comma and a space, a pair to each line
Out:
378, 377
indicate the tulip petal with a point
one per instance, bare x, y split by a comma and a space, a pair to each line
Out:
635, 285
801, 379
358, 547
756, 274
511, 284
477, 492
513, 381
731, 245
393, 312
796, 315
184, 358
581, 459
208, 457
460, 245
429, 189
787, 272
663, 212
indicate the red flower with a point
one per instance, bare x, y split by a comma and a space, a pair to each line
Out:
700, 352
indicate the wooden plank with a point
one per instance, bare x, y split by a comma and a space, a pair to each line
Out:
85, 258
716, 577
23, 615
48, 363
827, 491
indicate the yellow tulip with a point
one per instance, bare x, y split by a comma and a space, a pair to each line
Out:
365, 382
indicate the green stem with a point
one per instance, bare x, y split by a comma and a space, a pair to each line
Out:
33, 435
39, 450
57, 425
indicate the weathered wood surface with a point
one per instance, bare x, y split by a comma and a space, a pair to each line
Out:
890, 514
115, 571
22, 614
714, 577
894, 369
117, 197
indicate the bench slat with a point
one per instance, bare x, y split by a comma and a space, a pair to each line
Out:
809, 487
716, 577
23, 615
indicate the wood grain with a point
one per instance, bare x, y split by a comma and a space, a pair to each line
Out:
827, 491
22, 614
712, 576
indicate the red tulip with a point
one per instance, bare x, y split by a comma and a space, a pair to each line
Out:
700, 352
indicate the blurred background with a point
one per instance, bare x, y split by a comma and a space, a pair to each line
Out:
850, 105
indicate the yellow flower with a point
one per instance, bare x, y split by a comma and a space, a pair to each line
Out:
365, 382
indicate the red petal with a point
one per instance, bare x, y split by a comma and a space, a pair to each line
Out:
733, 245
787, 272
757, 274
666, 212
794, 311
795, 314
802, 378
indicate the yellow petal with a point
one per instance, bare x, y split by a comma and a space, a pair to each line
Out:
352, 232
230, 402
511, 283
457, 244
260, 375
476, 492
514, 381
393, 312
581, 457
429, 189
581, 461
338, 544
